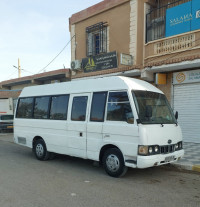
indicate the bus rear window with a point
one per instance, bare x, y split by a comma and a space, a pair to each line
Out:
25, 108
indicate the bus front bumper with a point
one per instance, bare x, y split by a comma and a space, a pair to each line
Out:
157, 160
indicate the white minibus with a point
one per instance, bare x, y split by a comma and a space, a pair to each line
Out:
120, 122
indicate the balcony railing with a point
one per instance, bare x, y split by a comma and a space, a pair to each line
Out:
156, 21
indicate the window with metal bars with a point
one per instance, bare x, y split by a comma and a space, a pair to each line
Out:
96, 39
156, 19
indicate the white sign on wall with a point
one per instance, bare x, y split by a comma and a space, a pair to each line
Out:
191, 76
126, 59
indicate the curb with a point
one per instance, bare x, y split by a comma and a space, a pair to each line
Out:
196, 168
186, 166
183, 166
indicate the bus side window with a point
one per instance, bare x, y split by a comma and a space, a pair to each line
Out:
59, 107
98, 106
25, 108
79, 108
41, 108
119, 108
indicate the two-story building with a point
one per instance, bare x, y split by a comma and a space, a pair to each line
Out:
155, 40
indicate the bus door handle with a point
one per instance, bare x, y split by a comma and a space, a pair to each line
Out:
106, 135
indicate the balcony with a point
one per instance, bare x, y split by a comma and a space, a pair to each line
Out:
175, 38
156, 21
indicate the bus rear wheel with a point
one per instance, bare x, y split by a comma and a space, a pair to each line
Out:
113, 163
40, 150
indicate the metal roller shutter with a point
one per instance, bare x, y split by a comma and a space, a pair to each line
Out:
187, 103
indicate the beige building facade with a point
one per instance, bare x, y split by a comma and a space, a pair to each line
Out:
115, 23
154, 40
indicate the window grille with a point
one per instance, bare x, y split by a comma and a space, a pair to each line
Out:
156, 19
96, 39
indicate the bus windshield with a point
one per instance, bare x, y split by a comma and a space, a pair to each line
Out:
161, 112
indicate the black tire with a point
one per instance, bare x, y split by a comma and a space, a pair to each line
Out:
52, 155
40, 150
113, 163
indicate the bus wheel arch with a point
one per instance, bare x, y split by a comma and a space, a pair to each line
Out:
40, 149
35, 139
103, 150
113, 161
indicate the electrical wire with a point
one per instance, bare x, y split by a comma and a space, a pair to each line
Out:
8, 77
56, 56
178, 53
27, 71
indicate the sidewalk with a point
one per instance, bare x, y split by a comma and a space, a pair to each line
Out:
191, 159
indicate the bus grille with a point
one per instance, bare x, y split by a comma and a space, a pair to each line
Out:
167, 149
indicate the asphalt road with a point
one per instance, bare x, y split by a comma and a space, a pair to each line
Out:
73, 182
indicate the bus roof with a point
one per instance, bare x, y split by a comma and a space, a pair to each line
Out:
89, 85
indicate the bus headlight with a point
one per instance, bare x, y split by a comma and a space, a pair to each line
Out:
150, 150
179, 146
142, 150
156, 149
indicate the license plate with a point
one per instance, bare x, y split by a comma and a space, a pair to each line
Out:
9, 127
169, 159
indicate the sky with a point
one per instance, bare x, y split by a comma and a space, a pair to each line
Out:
35, 31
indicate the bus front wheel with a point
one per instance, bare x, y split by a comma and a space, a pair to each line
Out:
40, 150
113, 163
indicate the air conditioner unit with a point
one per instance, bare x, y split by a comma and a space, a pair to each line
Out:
76, 65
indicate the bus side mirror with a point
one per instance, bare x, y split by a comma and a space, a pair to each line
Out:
176, 115
148, 111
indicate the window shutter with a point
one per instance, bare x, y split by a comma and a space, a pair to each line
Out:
104, 39
90, 43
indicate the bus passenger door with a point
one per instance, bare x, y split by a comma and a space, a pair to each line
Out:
77, 124
95, 125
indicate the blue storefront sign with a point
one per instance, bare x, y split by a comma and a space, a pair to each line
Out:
178, 19
183, 18
195, 24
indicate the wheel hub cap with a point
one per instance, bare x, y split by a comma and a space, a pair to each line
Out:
112, 163
39, 150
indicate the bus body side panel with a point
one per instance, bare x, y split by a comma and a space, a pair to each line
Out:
94, 139
123, 135
52, 132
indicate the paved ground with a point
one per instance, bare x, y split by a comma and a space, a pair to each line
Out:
191, 159
72, 182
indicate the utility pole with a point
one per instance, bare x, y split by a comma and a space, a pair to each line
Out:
19, 69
